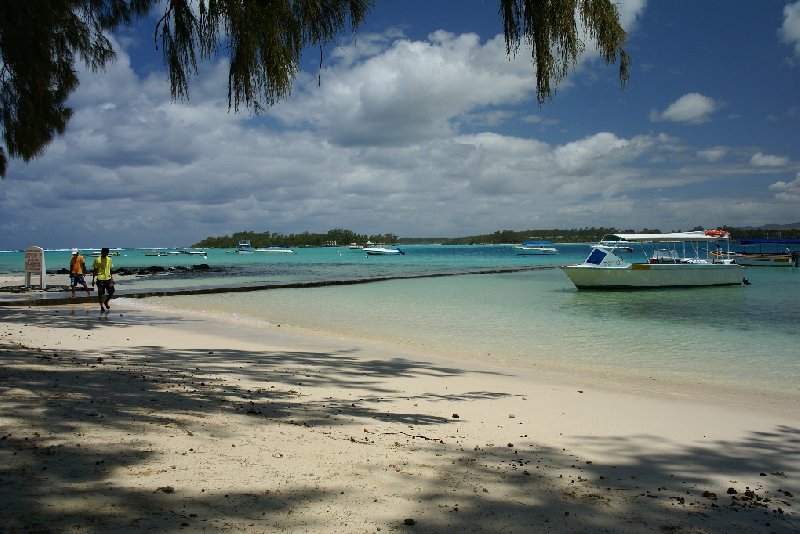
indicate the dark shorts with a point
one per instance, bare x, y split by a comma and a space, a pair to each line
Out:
77, 280
105, 286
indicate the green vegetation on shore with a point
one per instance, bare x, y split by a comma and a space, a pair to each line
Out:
335, 237
589, 235
340, 237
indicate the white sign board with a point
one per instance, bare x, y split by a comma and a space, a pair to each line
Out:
34, 264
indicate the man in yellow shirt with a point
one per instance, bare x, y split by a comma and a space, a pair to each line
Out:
77, 267
101, 269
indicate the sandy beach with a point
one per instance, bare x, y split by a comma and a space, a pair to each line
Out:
139, 421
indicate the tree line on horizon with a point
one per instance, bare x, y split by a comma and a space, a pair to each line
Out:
334, 237
343, 237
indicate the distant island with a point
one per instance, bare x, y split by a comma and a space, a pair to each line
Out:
342, 237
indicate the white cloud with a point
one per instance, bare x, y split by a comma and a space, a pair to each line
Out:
421, 88
538, 119
713, 154
790, 30
588, 155
692, 108
629, 12
787, 191
767, 160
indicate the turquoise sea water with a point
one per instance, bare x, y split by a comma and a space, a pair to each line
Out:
736, 337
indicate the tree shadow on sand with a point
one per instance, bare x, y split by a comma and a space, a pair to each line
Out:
52, 475
58, 397
525, 487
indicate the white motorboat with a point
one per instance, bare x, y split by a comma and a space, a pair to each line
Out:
193, 252
679, 259
536, 248
97, 253
244, 247
276, 250
382, 251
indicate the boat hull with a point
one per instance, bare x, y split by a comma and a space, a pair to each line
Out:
382, 251
535, 248
651, 276
275, 250
767, 260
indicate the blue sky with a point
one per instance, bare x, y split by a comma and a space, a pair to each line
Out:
422, 126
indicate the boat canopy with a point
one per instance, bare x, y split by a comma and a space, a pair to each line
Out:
661, 238
536, 243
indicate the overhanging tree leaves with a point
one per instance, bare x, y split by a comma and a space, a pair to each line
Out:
550, 28
264, 39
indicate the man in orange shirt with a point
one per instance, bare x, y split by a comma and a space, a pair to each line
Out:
76, 269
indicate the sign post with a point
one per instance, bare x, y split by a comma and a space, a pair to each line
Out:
34, 264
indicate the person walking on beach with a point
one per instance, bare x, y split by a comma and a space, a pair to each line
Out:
77, 268
101, 269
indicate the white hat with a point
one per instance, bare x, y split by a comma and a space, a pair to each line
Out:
74, 250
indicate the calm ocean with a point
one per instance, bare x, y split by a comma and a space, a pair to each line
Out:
742, 337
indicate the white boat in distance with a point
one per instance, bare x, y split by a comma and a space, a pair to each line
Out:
382, 251
244, 247
682, 262
157, 253
276, 250
535, 248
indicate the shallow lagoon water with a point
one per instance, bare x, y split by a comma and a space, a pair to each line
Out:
737, 337
741, 337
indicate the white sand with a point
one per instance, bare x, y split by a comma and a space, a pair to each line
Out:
143, 421
18, 280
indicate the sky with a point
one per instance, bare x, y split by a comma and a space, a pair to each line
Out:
420, 125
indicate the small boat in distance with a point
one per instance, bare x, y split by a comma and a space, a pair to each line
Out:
675, 259
276, 250
382, 251
96, 253
244, 247
772, 252
535, 248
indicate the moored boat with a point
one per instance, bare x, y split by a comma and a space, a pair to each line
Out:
675, 259
536, 248
96, 253
276, 250
244, 247
768, 253
382, 251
